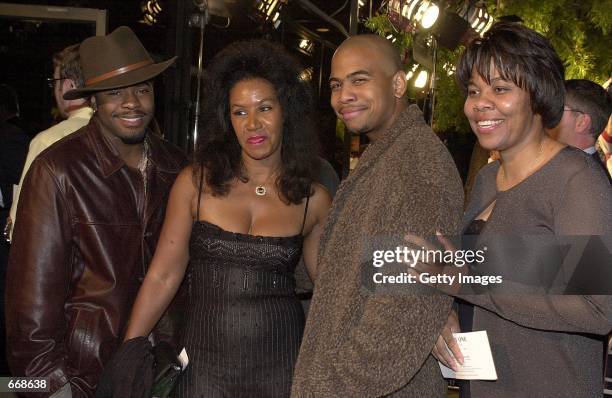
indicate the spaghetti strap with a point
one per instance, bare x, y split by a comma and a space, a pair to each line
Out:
200, 194
305, 211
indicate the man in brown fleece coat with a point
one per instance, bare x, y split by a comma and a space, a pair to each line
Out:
370, 345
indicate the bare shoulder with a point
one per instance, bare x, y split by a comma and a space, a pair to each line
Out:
187, 181
320, 199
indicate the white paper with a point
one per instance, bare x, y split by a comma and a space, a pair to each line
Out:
183, 359
477, 358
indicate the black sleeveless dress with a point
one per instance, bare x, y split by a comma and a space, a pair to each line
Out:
244, 321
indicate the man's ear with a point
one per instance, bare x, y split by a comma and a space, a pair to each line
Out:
67, 85
583, 123
400, 85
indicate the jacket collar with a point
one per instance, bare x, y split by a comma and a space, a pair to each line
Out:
403, 125
110, 162
84, 112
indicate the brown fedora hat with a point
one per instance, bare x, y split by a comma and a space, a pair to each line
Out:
116, 60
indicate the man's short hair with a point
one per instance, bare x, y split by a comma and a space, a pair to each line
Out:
589, 97
68, 63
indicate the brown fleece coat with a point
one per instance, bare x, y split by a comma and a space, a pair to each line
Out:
370, 345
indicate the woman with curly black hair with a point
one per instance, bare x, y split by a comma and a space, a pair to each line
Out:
241, 215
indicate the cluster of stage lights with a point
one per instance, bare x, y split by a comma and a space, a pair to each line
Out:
150, 11
408, 16
414, 16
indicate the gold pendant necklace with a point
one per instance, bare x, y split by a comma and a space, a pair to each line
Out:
261, 190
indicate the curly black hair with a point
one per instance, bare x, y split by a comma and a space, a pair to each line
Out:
218, 152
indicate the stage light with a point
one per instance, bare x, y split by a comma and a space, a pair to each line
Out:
477, 16
424, 12
150, 11
306, 46
404, 15
430, 16
149, 19
421, 79
267, 11
306, 74
411, 71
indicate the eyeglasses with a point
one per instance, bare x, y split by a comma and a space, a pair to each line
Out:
51, 81
568, 109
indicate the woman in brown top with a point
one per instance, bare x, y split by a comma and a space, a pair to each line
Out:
529, 209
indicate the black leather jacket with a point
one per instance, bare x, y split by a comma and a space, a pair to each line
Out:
86, 231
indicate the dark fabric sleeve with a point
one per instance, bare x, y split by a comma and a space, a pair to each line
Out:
328, 177
38, 279
574, 314
584, 208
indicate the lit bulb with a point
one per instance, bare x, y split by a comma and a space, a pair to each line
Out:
430, 17
421, 79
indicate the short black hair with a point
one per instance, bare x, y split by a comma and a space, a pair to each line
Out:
524, 57
218, 151
591, 98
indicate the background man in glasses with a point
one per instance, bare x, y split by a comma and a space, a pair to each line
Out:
585, 115
66, 76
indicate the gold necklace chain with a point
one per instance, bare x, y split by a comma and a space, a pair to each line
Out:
532, 166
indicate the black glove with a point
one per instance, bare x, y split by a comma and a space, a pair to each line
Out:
129, 373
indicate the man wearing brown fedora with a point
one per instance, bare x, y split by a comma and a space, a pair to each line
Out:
89, 219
